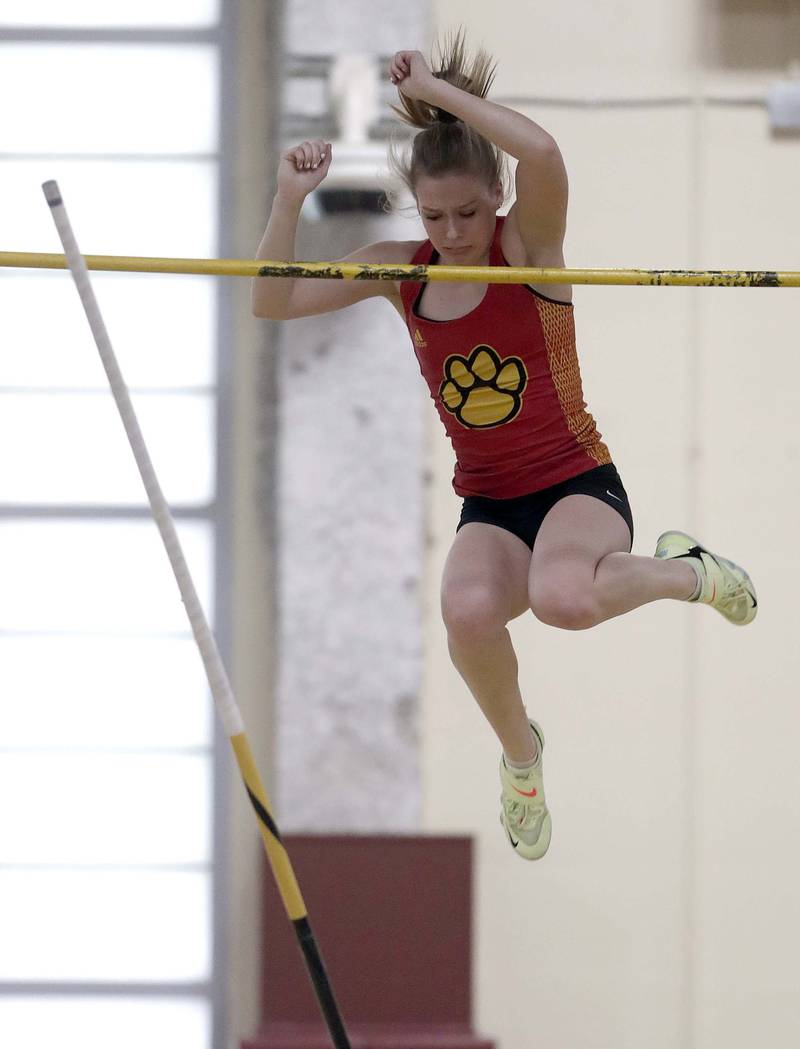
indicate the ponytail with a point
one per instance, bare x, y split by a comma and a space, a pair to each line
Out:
452, 64
445, 144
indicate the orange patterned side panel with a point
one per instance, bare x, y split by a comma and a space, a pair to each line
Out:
558, 325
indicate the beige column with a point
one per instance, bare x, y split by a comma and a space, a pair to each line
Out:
248, 475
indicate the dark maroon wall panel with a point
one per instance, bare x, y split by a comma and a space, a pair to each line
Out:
393, 920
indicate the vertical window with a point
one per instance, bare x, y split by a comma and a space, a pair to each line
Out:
106, 726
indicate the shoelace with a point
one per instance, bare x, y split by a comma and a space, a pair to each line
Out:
733, 589
522, 814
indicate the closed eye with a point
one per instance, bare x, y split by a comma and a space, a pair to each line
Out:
462, 214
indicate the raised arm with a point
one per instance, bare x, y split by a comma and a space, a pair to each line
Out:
541, 180
300, 171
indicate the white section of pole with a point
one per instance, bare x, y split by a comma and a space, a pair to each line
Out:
215, 670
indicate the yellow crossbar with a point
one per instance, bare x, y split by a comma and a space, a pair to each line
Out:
362, 271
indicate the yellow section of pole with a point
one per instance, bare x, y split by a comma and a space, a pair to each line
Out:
276, 853
362, 271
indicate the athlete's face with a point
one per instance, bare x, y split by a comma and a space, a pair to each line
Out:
458, 213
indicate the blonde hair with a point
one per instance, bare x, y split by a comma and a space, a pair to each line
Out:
446, 144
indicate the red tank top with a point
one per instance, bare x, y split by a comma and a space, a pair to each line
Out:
506, 383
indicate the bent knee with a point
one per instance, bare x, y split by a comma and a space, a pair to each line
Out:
565, 606
473, 613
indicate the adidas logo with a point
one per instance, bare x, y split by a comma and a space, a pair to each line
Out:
419, 340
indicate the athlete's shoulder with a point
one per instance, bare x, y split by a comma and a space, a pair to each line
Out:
516, 254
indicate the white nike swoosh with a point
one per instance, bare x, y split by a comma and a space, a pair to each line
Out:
613, 496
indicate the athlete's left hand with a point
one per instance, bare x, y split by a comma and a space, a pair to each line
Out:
411, 74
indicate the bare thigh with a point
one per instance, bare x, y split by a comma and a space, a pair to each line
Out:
575, 536
485, 579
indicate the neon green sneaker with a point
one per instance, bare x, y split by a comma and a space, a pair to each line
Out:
523, 810
723, 584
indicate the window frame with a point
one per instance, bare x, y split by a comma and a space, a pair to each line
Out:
222, 36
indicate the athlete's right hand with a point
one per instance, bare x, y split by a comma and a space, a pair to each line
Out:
303, 167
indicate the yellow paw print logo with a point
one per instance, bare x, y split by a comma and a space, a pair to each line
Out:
482, 390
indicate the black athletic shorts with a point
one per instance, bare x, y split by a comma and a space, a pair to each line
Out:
524, 514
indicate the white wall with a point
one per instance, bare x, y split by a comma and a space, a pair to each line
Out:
747, 857
663, 914
547, 48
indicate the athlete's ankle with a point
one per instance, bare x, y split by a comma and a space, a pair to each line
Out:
698, 590
528, 763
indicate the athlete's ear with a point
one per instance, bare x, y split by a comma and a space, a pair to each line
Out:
497, 193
